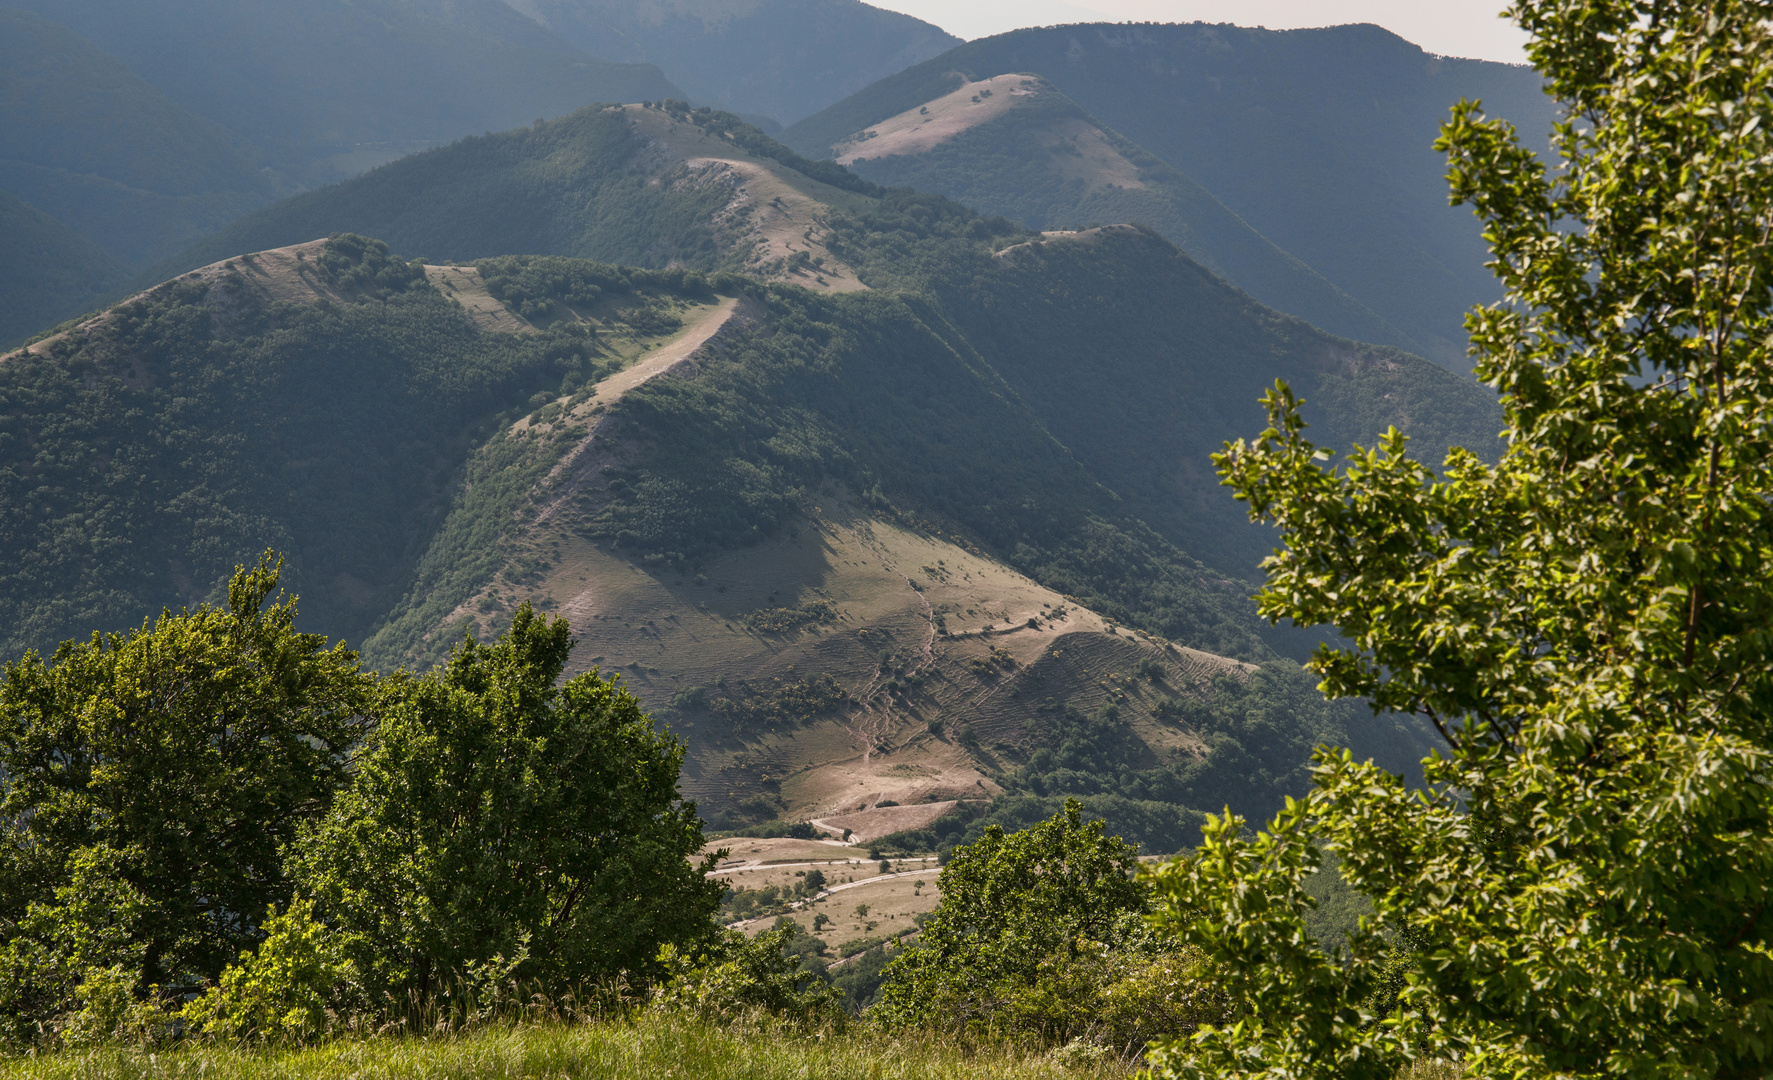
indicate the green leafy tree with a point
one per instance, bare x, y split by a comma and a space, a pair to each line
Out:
1586, 882
285, 989
729, 974
495, 814
147, 782
1018, 911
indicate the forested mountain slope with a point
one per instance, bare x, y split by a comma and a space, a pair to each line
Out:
47, 270
905, 534
1013, 145
818, 531
144, 125
658, 187
89, 142
782, 59
323, 89
1320, 139
626, 184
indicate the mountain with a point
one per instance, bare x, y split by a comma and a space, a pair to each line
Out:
1321, 140
627, 184
782, 59
815, 531
867, 522
87, 141
1013, 145
657, 187
324, 89
47, 270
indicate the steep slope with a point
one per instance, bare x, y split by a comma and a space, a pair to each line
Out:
320, 399
324, 89
1013, 145
783, 59
48, 272
827, 544
627, 184
87, 141
1320, 139
658, 187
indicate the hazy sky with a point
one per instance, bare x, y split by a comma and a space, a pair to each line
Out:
1449, 27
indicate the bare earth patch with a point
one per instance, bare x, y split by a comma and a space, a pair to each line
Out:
463, 285
915, 131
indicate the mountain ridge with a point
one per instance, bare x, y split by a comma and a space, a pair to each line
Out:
1013, 145
1321, 140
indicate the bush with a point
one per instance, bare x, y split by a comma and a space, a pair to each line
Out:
1028, 922
494, 808
286, 990
733, 975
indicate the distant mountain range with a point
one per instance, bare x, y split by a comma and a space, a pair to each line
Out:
772, 60
1320, 140
1014, 145
142, 125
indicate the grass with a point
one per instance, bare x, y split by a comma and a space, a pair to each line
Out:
652, 1044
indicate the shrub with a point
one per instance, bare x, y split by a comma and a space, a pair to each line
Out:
732, 975
283, 991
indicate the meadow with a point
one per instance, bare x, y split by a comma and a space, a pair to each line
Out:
651, 1043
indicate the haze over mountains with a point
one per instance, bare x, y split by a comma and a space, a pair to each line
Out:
881, 477
1321, 140
775, 59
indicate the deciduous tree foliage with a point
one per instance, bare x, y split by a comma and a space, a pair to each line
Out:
495, 814
1588, 622
1011, 903
147, 783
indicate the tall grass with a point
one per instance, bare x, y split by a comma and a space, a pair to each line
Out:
652, 1043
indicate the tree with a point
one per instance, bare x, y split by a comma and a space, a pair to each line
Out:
1587, 878
147, 782
494, 814
1015, 910
727, 974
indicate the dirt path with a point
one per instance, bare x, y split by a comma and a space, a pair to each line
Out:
661, 359
832, 862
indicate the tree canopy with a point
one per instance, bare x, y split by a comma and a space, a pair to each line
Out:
493, 813
1585, 621
1010, 902
148, 783
217, 800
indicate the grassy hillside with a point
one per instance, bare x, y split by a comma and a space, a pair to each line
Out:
1319, 139
145, 453
833, 549
650, 1044
613, 183
783, 59
324, 89
47, 270
1015, 146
